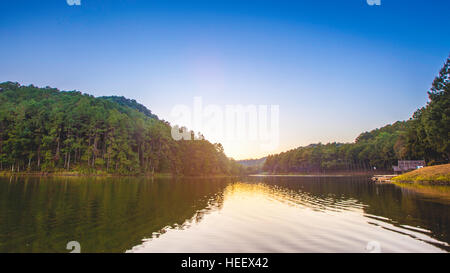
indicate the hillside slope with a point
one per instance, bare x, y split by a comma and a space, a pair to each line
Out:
47, 130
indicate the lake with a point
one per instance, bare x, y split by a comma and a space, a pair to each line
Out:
251, 214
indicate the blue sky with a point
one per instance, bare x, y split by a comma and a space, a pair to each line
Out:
335, 68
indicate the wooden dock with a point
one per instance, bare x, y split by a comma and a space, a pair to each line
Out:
383, 178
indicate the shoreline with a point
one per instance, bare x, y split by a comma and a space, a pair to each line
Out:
321, 174
76, 174
309, 175
106, 175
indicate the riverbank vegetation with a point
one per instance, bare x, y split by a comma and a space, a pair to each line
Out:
44, 130
425, 136
440, 173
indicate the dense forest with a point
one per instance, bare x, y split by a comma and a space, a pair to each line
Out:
425, 136
47, 130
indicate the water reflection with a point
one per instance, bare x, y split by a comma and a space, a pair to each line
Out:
254, 214
273, 214
384, 202
104, 215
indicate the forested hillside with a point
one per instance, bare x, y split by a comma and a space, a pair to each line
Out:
44, 129
425, 136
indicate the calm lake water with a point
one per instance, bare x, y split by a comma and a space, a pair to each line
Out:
253, 214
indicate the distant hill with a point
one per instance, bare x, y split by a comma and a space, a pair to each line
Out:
252, 166
252, 162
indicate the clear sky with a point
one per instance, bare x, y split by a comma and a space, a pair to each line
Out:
335, 68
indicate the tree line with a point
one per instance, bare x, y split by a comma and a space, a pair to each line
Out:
47, 130
426, 135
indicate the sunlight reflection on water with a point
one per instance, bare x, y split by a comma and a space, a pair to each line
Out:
252, 214
263, 218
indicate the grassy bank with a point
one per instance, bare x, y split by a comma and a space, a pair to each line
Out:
440, 173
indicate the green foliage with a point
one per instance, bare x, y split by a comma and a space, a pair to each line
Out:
43, 129
425, 136
429, 133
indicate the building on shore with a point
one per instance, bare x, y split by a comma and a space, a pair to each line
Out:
408, 165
